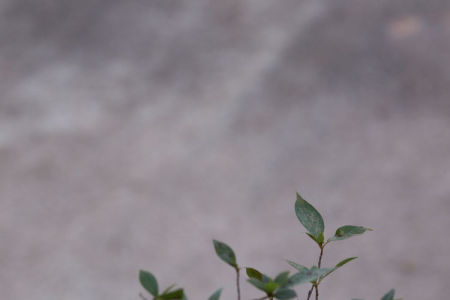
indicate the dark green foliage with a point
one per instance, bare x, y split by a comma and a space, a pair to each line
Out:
284, 294
253, 273
347, 231
309, 217
281, 287
225, 253
176, 294
216, 295
273, 288
148, 282
389, 295
308, 275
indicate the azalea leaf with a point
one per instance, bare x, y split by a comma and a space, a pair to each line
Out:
253, 273
149, 282
225, 253
347, 231
309, 217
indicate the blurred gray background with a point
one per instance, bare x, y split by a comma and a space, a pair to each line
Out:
134, 132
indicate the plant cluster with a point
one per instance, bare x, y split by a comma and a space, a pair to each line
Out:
280, 287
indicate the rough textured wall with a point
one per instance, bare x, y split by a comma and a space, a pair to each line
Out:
134, 132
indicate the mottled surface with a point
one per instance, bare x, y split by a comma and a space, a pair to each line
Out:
135, 132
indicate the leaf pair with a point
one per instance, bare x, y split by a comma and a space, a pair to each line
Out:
149, 282
277, 287
308, 275
315, 273
311, 219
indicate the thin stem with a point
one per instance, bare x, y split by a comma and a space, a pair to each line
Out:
320, 257
310, 292
316, 285
237, 284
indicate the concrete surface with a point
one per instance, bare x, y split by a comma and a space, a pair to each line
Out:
135, 132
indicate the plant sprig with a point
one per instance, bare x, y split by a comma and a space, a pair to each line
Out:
313, 222
280, 287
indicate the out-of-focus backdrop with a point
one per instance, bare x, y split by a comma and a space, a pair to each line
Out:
133, 132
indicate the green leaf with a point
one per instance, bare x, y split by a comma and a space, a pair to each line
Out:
389, 295
285, 294
309, 217
253, 273
225, 253
307, 276
270, 286
256, 283
177, 294
148, 282
347, 231
344, 261
282, 278
297, 266
216, 295
340, 264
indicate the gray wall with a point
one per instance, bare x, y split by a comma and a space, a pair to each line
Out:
132, 133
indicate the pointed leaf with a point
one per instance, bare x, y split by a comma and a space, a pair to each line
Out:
285, 294
282, 278
216, 295
309, 217
148, 282
347, 231
340, 264
389, 295
253, 273
344, 261
297, 266
177, 294
307, 276
225, 253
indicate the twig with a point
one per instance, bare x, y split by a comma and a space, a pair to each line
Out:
237, 284
310, 292
320, 257
316, 286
